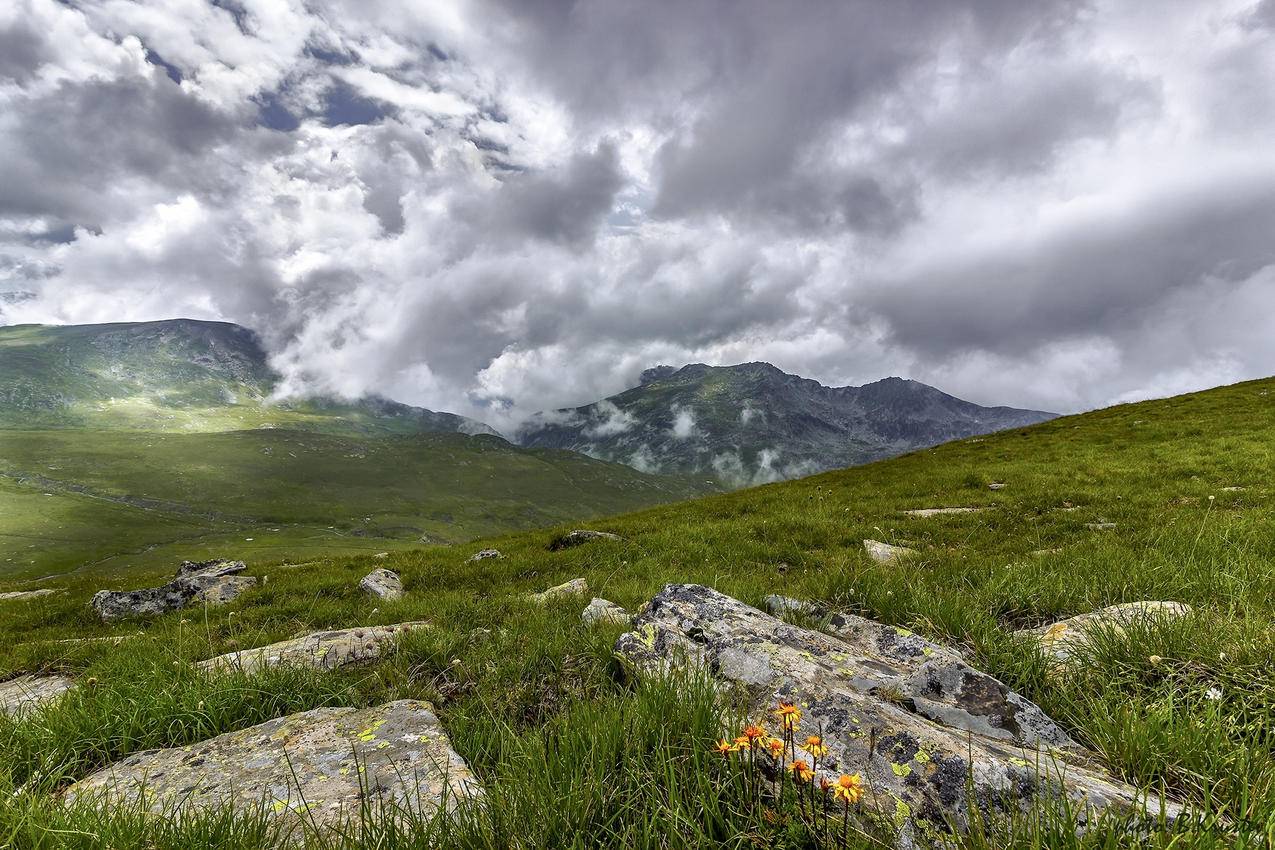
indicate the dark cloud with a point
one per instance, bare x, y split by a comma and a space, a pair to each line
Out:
22, 51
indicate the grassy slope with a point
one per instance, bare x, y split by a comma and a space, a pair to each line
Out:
577, 757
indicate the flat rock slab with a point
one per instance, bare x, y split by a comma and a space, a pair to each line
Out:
206, 582
320, 650
929, 512
314, 768
579, 537
884, 553
996, 485
1061, 639
18, 595
925, 729
485, 554
383, 584
604, 611
575, 587
26, 693
1100, 526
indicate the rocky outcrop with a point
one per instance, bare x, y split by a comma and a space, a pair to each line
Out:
206, 582
312, 769
575, 587
485, 554
1061, 639
25, 595
321, 650
924, 728
26, 693
383, 584
602, 611
579, 537
884, 553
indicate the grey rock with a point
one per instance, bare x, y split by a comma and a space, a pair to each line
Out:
575, 587
21, 595
321, 650
485, 554
784, 605
602, 611
27, 693
1061, 639
314, 769
207, 582
1102, 525
579, 537
383, 584
884, 553
996, 485
925, 729
929, 512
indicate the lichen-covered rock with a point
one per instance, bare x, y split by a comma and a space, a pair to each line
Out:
25, 595
207, 582
321, 650
579, 537
884, 553
315, 769
383, 584
1061, 639
485, 554
575, 587
924, 729
603, 611
26, 693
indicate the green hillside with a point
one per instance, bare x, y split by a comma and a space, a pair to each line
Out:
576, 755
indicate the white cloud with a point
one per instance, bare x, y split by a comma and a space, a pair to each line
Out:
683, 423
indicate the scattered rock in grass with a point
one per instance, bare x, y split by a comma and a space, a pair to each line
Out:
316, 768
1232, 489
381, 555
27, 693
933, 737
602, 611
383, 584
320, 650
780, 606
485, 554
1100, 525
20, 595
929, 512
996, 485
1061, 639
579, 537
1041, 553
575, 587
209, 582
884, 553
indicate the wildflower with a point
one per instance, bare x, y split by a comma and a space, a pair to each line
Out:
789, 714
755, 735
801, 771
742, 742
1214, 693
725, 747
775, 746
92, 681
815, 746
1154, 659
849, 789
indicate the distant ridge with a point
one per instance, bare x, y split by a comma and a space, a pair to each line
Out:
753, 422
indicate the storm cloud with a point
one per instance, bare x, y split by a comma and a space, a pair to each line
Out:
496, 207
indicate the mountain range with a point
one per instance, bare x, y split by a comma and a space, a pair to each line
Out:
754, 423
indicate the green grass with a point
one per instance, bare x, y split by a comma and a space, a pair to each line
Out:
578, 756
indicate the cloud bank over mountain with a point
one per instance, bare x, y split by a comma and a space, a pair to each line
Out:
498, 207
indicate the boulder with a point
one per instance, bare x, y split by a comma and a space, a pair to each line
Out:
579, 537
484, 554
314, 769
321, 650
933, 737
26, 693
383, 584
929, 512
21, 595
1059, 640
884, 553
207, 582
602, 611
575, 587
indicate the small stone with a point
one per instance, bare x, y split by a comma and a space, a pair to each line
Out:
318, 768
321, 650
27, 693
929, 512
602, 611
1101, 525
996, 485
381, 555
579, 537
575, 587
1232, 489
484, 554
383, 584
17, 595
884, 553
780, 606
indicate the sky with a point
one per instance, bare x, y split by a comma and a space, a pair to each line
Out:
495, 207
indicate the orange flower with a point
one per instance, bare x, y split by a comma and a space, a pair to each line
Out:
725, 747
789, 714
742, 743
849, 789
754, 734
815, 746
801, 771
776, 746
